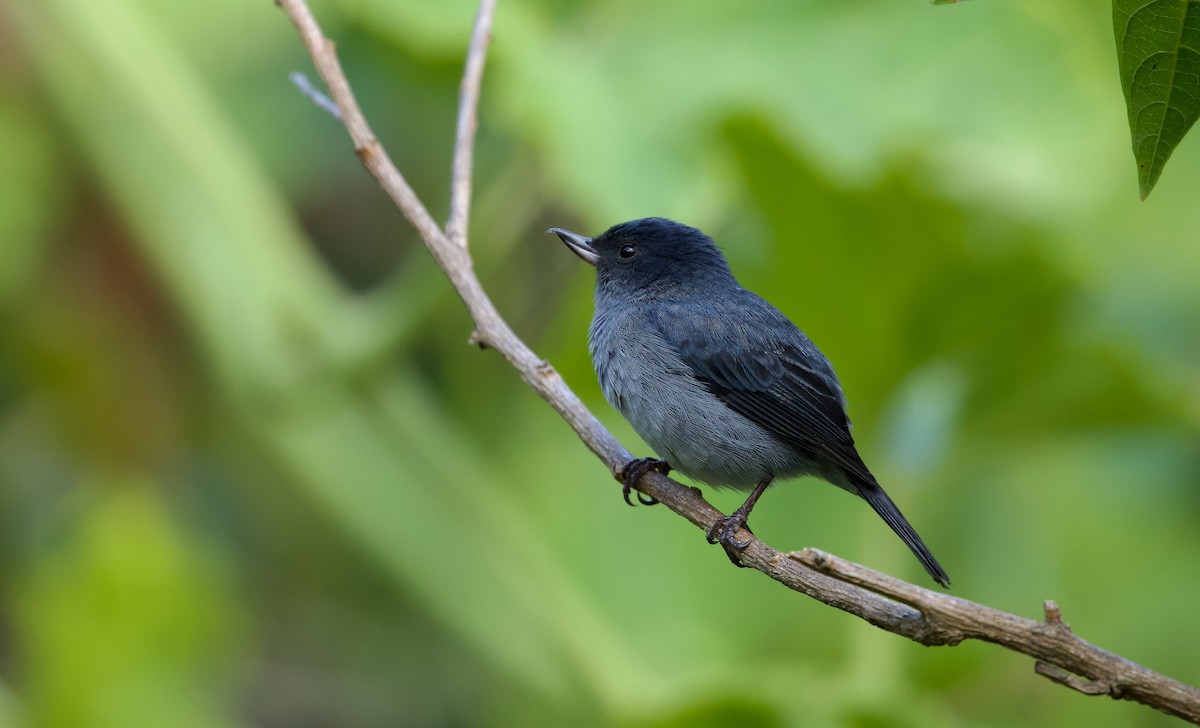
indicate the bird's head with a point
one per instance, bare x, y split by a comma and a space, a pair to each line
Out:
651, 254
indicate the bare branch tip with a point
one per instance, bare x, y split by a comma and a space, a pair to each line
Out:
1053, 613
809, 556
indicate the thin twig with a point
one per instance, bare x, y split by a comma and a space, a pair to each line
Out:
468, 122
301, 81
324, 56
927, 617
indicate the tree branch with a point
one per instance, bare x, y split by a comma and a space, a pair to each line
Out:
924, 616
468, 122
1061, 655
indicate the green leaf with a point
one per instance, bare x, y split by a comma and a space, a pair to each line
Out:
1158, 50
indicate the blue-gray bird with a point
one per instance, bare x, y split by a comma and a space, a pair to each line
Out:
722, 385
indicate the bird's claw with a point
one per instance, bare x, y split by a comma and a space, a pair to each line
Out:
724, 531
642, 498
633, 472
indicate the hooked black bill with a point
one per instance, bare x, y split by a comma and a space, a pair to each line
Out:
579, 244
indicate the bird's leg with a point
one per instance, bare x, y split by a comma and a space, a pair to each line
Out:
633, 472
724, 529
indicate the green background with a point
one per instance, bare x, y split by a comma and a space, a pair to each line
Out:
252, 475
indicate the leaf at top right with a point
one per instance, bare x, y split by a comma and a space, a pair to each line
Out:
1158, 53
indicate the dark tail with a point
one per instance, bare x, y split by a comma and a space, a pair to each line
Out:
888, 511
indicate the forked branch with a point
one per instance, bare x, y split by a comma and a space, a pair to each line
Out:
927, 617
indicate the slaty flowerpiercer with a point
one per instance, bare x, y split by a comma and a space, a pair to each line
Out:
724, 387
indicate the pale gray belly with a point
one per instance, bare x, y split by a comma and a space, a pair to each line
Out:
683, 422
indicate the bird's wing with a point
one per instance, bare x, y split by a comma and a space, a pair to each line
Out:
761, 366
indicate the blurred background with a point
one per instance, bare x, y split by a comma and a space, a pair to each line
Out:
252, 475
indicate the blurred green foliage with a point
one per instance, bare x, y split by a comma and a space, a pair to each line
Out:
251, 475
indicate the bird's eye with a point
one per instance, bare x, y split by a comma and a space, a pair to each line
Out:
627, 251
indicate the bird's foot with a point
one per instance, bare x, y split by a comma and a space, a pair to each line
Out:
724, 531
633, 472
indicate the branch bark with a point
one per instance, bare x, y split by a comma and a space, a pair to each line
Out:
468, 122
927, 617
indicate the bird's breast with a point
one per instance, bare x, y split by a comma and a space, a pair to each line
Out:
644, 378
